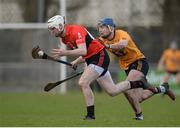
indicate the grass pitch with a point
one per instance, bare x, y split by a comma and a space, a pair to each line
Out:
47, 109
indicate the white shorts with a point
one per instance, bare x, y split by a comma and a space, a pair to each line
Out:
99, 70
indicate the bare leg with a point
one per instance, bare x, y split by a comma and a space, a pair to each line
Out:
134, 95
90, 74
84, 83
108, 85
146, 95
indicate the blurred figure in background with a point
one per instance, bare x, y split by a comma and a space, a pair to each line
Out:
170, 62
131, 60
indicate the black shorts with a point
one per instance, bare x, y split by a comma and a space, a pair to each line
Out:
101, 59
140, 65
173, 72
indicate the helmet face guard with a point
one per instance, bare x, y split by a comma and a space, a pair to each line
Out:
57, 22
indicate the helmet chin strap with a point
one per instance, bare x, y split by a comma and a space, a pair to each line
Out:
106, 36
60, 30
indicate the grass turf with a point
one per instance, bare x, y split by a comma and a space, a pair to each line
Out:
48, 109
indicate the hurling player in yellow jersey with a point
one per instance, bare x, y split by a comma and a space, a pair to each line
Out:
131, 60
170, 62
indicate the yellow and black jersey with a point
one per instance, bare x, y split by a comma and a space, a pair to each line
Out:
127, 55
171, 60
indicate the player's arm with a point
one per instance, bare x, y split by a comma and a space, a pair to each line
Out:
77, 61
80, 51
120, 45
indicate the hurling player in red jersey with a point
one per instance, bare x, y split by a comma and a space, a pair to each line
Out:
91, 51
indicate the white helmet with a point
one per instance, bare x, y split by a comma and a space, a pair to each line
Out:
56, 22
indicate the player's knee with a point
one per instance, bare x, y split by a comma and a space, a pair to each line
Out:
134, 75
82, 84
111, 93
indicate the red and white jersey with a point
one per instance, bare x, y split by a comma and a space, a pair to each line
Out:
76, 34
